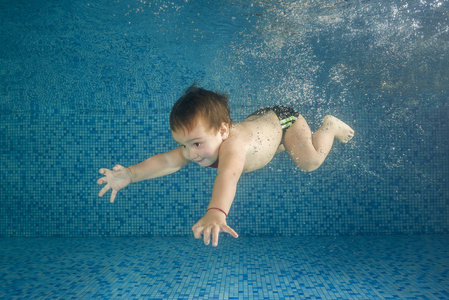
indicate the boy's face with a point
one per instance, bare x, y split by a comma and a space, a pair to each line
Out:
200, 144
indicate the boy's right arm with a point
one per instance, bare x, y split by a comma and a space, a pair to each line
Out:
159, 165
156, 166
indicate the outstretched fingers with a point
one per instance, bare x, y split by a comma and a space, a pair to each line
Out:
118, 167
104, 189
215, 234
113, 195
102, 180
231, 231
115, 180
206, 235
103, 171
207, 231
197, 231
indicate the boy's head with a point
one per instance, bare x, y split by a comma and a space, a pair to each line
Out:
199, 104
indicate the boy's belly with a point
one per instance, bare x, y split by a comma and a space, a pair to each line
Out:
265, 135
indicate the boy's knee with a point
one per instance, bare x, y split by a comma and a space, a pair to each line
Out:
307, 165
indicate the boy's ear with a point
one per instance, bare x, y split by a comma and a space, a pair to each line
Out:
224, 130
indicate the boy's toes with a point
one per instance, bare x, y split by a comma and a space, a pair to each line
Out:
350, 136
347, 138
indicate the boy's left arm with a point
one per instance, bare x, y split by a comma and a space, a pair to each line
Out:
225, 185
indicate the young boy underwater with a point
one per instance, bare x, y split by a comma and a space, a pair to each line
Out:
200, 122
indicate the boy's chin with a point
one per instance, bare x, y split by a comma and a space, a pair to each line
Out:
202, 162
205, 162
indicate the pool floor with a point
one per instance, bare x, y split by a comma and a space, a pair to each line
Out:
349, 267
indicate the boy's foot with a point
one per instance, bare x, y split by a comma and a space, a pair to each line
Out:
343, 132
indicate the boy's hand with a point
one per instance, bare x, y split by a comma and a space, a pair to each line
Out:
213, 222
115, 179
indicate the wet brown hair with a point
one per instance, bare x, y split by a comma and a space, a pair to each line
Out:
197, 103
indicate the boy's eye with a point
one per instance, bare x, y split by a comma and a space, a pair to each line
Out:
197, 144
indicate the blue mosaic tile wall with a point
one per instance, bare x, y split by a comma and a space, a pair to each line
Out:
85, 86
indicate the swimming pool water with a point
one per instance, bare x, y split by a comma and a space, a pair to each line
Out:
89, 84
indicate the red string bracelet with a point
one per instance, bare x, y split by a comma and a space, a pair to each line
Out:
218, 209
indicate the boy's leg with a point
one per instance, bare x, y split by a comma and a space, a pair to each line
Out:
308, 150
